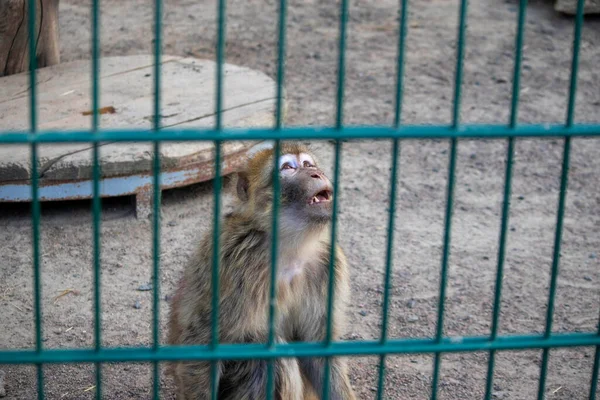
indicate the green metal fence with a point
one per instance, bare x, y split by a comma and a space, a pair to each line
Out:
215, 351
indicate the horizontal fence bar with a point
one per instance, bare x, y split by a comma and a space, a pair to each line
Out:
251, 351
474, 131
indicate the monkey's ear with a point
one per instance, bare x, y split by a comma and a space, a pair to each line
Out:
242, 186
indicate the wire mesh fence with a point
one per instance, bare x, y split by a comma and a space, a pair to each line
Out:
214, 351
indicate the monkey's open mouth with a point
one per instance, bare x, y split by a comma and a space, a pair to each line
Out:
321, 197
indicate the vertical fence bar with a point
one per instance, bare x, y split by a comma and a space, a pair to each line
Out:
35, 202
450, 194
444, 271
217, 193
96, 191
555, 264
595, 369
281, 57
215, 271
388, 266
157, 197
339, 120
276, 192
575, 63
459, 63
507, 193
273, 288
331, 283
562, 197
395, 156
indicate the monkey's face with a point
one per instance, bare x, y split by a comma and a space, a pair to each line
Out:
306, 193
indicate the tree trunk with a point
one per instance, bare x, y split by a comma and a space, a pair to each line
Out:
14, 35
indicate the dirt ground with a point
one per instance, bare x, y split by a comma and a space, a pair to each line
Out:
311, 83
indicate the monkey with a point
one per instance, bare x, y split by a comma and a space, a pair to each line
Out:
302, 279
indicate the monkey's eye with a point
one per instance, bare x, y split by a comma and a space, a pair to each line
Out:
307, 164
287, 165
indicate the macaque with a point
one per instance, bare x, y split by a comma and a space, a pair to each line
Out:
304, 248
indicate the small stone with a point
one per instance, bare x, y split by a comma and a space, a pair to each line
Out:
57, 332
145, 288
363, 313
411, 303
412, 318
501, 80
172, 223
587, 278
486, 258
521, 197
473, 156
498, 395
593, 255
513, 229
146, 75
168, 297
137, 305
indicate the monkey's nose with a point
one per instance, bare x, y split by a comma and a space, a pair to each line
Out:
316, 176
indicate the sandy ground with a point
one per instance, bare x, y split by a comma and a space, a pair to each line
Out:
311, 83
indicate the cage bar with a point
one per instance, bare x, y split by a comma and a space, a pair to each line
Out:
450, 193
276, 192
35, 202
214, 377
214, 352
339, 122
595, 369
331, 283
373, 132
273, 283
315, 349
562, 196
555, 264
96, 203
507, 193
157, 199
388, 266
393, 182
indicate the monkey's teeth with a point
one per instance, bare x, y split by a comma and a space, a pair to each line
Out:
315, 200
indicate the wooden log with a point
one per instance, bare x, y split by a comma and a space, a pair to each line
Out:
14, 35
65, 170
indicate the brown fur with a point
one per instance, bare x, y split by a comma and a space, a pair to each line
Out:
245, 271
